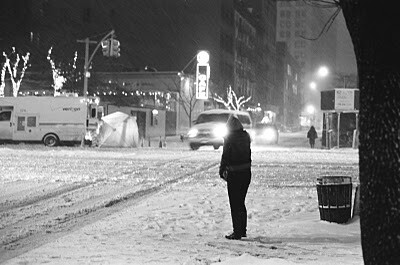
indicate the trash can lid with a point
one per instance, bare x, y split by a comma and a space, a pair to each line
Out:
329, 180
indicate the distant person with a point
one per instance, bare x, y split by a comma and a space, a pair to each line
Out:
235, 168
312, 135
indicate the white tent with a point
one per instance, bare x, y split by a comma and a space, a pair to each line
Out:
118, 130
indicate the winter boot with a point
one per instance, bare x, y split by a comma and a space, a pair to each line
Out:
233, 236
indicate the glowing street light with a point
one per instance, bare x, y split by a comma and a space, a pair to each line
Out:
313, 85
203, 57
310, 109
323, 71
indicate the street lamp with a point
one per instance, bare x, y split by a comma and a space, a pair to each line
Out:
311, 110
203, 57
323, 71
313, 85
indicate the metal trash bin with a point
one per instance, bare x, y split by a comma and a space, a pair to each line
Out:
334, 198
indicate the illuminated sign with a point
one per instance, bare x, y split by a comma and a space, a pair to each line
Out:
344, 99
202, 77
202, 74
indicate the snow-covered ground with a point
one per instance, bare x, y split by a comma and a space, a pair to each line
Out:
150, 205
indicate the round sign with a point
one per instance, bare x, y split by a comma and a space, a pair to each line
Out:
203, 57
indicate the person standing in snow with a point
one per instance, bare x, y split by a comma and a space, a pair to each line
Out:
312, 135
235, 168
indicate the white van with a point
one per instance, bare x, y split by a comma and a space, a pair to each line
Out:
210, 127
51, 120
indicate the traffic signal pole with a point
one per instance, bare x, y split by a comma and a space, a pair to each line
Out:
88, 59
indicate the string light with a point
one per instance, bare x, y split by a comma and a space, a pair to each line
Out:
13, 70
58, 79
3, 74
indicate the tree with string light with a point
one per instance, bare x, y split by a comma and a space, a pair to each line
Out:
16, 70
232, 101
62, 73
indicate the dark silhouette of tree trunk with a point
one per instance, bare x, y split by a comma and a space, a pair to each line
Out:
373, 27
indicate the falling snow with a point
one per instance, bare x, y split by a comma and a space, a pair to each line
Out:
150, 205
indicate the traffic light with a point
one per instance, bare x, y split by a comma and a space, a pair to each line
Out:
105, 45
114, 51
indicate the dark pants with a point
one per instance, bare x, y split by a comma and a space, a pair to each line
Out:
238, 183
312, 142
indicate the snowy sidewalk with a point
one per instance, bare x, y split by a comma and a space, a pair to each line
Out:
186, 223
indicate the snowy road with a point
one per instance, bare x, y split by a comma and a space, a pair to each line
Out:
47, 193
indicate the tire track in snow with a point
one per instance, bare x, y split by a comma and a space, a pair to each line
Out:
12, 204
41, 227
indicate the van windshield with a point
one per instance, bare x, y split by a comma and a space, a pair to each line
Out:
5, 116
221, 117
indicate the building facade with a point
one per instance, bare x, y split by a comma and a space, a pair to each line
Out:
162, 102
311, 40
289, 97
163, 36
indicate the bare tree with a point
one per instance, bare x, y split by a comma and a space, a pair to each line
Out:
15, 70
186, 95
232, 101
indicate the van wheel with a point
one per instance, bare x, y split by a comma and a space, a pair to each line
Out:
216, 146
194, 146
50, 140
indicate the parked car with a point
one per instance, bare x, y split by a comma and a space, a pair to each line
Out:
210, 127
265, 133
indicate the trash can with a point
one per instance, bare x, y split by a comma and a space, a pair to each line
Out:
334, 198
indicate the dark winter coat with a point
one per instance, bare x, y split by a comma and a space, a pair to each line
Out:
236, 155
312, 133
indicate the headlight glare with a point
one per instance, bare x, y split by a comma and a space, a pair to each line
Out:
220, 131
192, 132
269, 134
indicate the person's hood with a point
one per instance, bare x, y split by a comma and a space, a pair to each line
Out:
233, 123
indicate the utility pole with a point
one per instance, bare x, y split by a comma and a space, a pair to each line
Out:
86, 73
88, 60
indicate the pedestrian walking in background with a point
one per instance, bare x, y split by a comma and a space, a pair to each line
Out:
312, 135
235, 168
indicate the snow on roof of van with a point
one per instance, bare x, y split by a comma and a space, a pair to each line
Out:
218, 111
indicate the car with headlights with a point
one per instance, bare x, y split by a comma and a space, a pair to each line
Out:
265, 133
210, 127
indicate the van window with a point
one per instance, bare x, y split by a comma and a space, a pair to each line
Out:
31, 121
94, 112
5, 116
